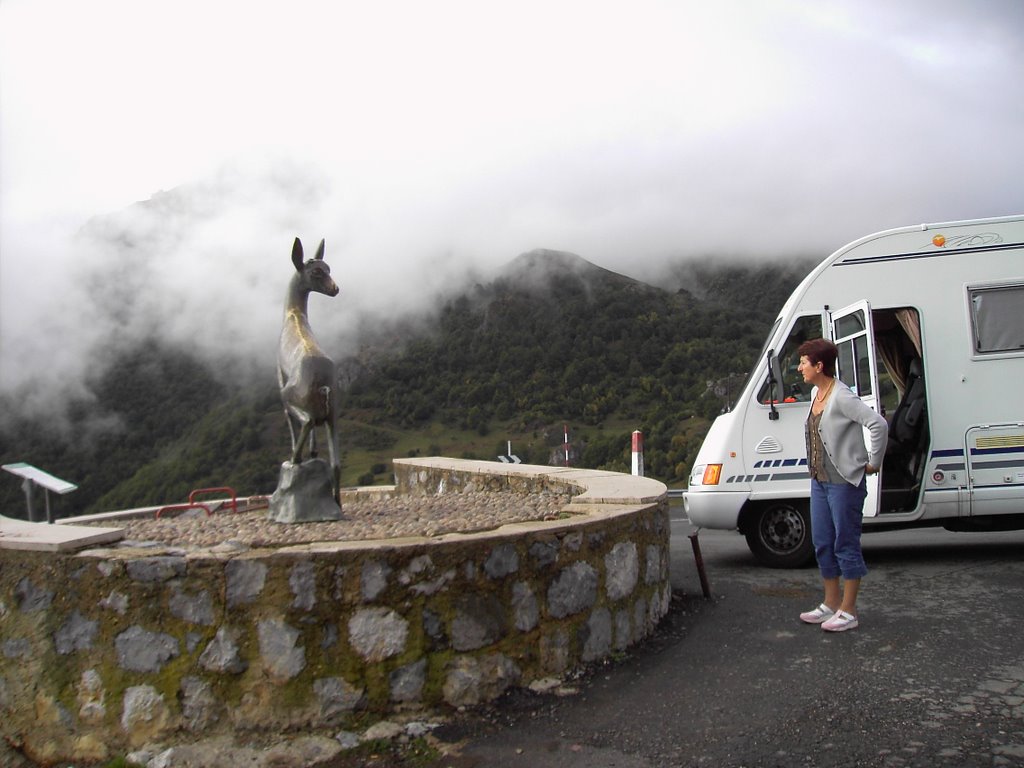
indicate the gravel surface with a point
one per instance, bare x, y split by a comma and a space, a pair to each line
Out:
394, 517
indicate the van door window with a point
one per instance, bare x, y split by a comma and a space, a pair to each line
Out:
791, 388
854, 362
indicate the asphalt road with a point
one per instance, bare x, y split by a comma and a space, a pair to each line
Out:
934, 676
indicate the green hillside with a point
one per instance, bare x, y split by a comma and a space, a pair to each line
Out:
552, 341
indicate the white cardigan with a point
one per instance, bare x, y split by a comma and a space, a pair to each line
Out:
842, 436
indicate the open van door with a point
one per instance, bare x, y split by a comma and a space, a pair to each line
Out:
856, 367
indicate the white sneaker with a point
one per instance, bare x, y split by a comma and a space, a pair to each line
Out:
840, 622
819, 615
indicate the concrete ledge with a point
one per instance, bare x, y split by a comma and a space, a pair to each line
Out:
594, 486
44, 537
109, 649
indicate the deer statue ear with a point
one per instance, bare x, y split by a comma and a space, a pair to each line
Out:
320, 252
297, 254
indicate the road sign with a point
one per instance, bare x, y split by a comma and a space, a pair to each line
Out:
33, 476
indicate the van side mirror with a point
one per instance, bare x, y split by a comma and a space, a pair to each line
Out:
773, 414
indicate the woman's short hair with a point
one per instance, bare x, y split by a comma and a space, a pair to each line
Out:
820, 351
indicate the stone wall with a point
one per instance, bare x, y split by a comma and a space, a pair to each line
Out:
106, 650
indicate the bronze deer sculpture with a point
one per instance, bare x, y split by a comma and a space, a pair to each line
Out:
306, 375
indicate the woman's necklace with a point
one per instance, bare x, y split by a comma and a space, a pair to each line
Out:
821, 397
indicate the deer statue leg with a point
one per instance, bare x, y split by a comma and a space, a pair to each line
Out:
326, 410
291, 429
287, 413
332, 449
307, 426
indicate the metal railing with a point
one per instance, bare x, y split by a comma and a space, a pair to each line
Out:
193, 504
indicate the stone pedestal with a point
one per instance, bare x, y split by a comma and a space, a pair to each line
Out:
304, 494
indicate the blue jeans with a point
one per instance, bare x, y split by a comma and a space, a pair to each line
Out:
837, 511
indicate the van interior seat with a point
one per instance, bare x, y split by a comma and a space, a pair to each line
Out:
905, 453
908, 432
909, 419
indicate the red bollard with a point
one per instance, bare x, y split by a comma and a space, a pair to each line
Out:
638, 453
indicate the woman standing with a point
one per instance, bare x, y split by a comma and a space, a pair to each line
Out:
837, 460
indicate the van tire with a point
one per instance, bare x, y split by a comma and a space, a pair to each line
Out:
779, 534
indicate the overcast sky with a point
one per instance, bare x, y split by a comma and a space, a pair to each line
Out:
423, 139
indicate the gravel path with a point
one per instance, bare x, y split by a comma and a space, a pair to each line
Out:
363, 519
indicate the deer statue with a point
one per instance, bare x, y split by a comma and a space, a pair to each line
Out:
305, 374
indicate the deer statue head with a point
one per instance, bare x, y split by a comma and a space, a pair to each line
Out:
314, 275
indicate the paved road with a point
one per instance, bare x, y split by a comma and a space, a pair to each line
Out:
934, 676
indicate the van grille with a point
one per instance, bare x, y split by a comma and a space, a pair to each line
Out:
768, 445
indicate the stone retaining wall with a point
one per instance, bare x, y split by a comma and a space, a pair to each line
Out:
106, 650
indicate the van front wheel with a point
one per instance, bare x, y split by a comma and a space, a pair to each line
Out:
779, 534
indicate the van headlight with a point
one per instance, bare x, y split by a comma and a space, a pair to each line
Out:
696, 473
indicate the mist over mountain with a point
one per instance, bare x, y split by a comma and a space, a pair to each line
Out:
552, 339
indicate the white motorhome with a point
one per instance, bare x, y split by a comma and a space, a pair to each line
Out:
929, 321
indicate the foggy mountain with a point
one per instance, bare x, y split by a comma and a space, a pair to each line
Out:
552, 339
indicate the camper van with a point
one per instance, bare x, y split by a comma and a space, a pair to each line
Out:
929, 322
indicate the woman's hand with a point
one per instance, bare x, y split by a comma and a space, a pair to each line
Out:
870, 469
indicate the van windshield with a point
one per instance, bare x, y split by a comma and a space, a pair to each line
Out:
792, 388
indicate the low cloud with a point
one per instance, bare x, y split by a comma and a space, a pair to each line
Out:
431, 145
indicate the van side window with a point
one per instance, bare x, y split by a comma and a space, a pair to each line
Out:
792, 388
997, 318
